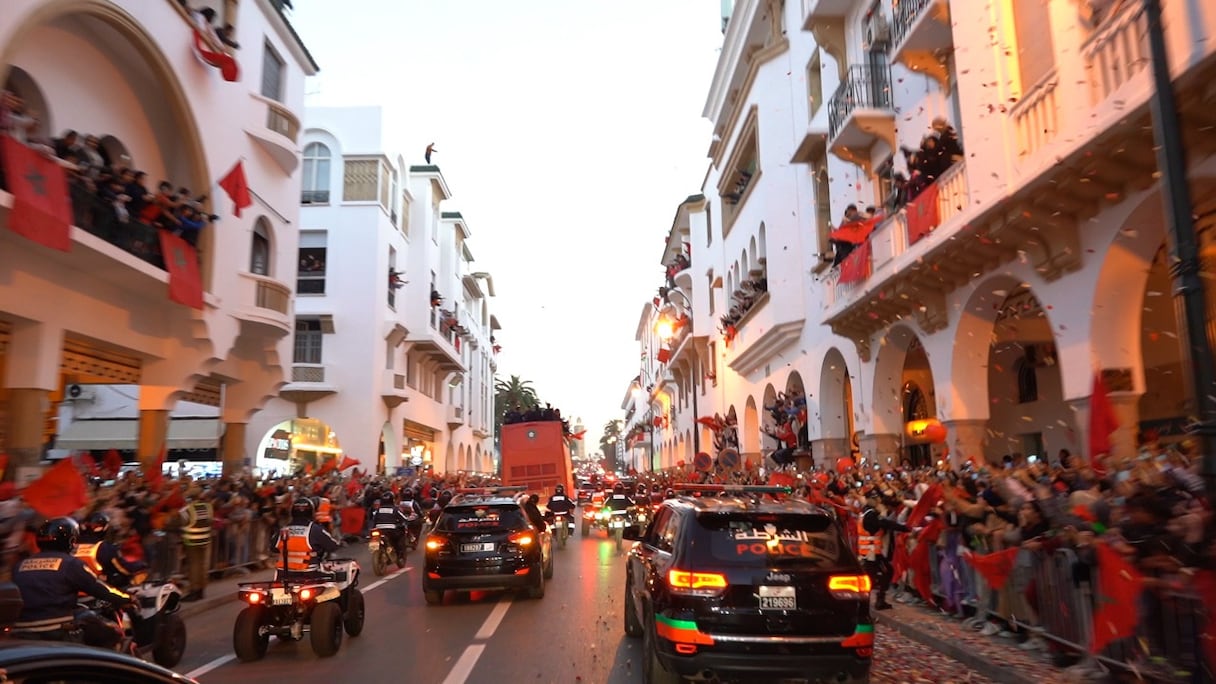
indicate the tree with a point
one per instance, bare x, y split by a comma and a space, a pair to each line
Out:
512, 393
608, 440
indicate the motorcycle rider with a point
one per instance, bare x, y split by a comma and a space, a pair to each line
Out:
51, 582
103, 556
559, 503
301, 544
391, 522
619, 501
413, 514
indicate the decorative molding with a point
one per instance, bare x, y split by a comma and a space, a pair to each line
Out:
768, 345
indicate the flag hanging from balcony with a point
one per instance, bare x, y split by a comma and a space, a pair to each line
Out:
855, 232
41, 209
856, 266
224, 62
237, 188
185, 282
923, 214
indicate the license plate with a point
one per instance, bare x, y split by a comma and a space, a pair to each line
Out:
283, 599
778, 598
616, 523
477, 548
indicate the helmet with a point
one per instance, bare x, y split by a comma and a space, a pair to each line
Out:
641, 488
407, 494
618, 488
58, 534
671, 494
445, 497
387, 498
96, 526
559, 489
303, 510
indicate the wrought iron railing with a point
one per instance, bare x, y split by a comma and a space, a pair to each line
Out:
863, 86
905, 14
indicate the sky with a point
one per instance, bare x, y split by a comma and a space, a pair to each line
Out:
568, 131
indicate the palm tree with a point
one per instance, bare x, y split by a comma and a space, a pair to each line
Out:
512, 393
608, 440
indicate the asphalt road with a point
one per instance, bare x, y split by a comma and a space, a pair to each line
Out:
573, 634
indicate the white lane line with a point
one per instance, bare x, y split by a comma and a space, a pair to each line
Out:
464, 667
377, 583
494, 619
218, 662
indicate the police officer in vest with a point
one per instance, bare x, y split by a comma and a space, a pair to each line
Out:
559, 503
874, 532
51, 582
197, 518
301, 544
619, 501
413, 514
103, 556
391, 522
324, 516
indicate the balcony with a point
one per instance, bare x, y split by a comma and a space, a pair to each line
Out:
923, 37
279, 134
860, 114
393, 389
814, 11
455, 416
1116, 53
269, 305
307, 384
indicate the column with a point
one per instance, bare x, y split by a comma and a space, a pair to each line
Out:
155, 405
828, 450
31, 373
1080, 421
878, 448
1127, 414
233, 448
966, 439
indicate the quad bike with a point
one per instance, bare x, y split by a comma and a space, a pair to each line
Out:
322, 603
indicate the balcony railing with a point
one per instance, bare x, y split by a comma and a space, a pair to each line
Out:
1036, 118
1116, 53
282, 121
307, 372
905, 14
314, 197
863, 87
272, 295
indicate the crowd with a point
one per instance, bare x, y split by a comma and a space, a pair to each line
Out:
528, 414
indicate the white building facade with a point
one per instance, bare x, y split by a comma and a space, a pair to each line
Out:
185, 108
1033, 262
393, 363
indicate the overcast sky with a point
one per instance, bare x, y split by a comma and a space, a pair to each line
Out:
568, 131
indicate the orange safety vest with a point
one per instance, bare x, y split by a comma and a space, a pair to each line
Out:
869, 546
324, 512
88, 554
300, 556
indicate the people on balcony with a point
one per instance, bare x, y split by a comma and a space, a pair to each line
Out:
939, 150
679, 263
743, 300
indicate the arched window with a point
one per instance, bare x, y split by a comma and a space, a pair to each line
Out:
259, 254
315, 184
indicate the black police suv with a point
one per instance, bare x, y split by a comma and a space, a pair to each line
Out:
735, 584
483, 541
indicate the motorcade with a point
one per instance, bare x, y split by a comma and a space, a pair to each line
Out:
743, 582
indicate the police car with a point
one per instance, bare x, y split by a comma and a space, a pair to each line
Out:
483, 541
742, 581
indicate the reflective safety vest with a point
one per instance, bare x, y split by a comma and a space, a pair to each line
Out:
88, 554
300, 556
869, 546
197, 531
324, 512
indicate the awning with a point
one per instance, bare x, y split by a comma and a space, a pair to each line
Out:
184, 433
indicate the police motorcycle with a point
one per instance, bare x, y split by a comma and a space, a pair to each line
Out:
322, 603
618, 520
382, 551
562, 525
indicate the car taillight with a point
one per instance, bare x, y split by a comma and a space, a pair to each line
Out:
703, 583
435, 543
521, 538
849, 586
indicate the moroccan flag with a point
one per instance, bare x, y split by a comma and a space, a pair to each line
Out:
352, 519
185, 282
995, 567
60, 491
927, 501
1118, 598
855, 232
90, 466
237, 188
348, 462
327, 467
899, 562
222, 61
112, 463
578, 435
919, 562
923, 214
41, 211
1102, 422
3, 464
856, 266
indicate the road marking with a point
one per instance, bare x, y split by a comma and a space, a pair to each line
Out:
396, 573
218, 662
464, 667
494, 619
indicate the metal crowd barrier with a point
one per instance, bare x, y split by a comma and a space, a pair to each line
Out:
1059, 589
244, 550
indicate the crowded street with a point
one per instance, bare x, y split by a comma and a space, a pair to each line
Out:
573, 634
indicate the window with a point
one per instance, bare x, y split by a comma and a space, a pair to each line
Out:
823, 206
316, 174
394, 193
1036, 56
311, 278
405, 214
308, 341
273, 68
259, 257
814, 85
359, 180
394, 278
709, 225
743, 170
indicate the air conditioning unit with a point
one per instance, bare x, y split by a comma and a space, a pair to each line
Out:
878, 30
80, 393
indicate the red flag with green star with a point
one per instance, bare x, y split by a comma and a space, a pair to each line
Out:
185, 283
41, 209
1117, 600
